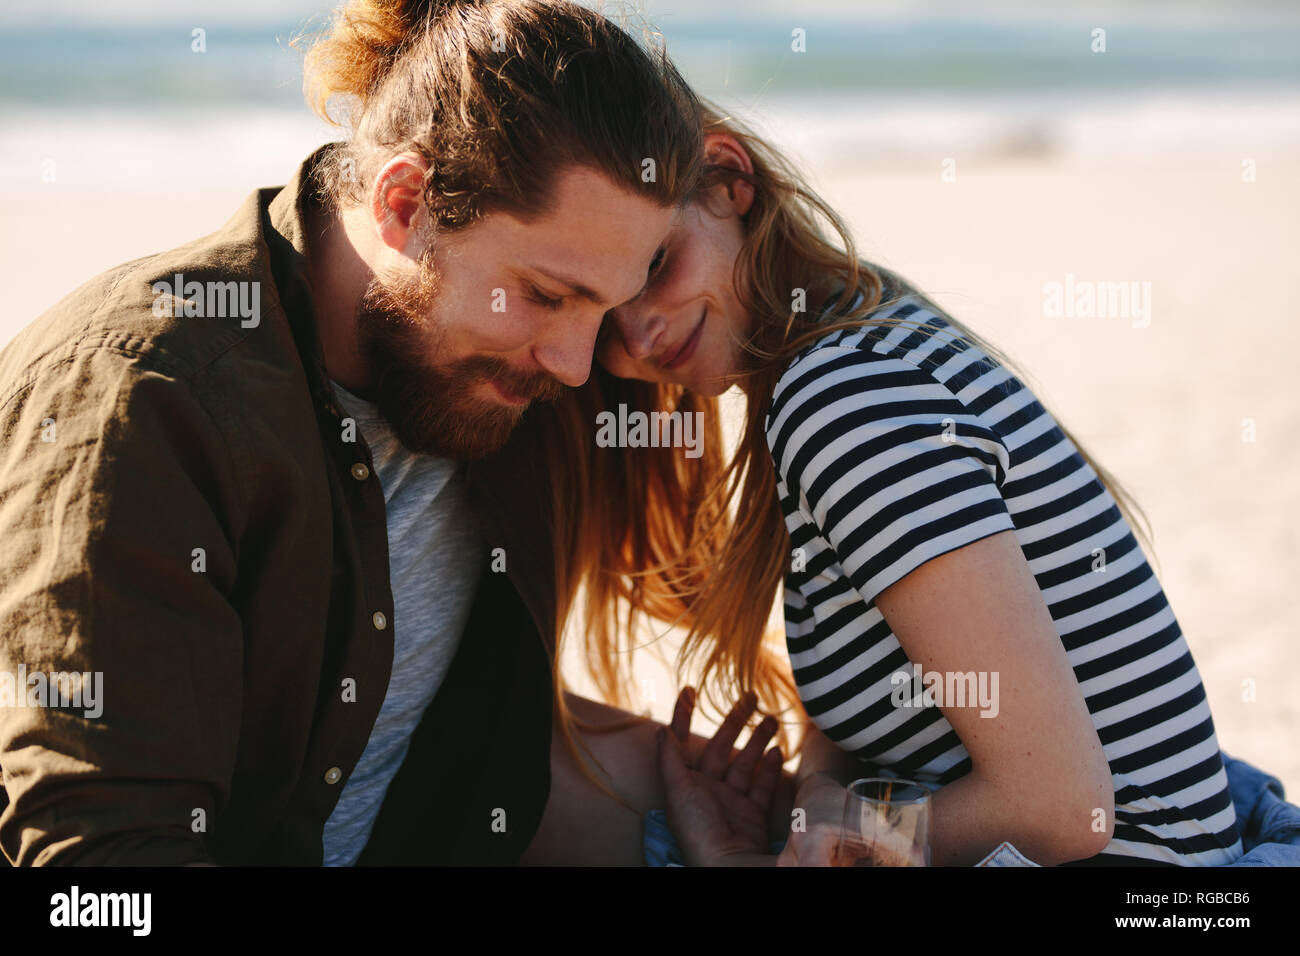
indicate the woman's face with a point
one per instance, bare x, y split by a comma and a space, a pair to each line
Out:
686, 326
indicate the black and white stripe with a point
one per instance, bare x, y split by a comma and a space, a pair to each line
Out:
892, 447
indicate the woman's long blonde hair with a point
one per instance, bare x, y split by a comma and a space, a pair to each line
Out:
646, 533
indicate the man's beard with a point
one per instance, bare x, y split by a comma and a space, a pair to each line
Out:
432, 409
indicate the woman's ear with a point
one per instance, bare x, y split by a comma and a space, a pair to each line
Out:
397, 202
721, 149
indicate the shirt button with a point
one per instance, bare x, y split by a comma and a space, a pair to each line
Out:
379, 620
333, 775
360, 471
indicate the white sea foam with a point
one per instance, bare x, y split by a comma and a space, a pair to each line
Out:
139, 151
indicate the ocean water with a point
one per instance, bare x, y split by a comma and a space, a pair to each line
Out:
862, 90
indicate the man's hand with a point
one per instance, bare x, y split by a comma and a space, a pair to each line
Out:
718, 809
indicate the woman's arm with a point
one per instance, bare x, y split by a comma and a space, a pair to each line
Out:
820, 755
1039, 776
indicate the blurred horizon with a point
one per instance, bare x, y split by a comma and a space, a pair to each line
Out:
910, 48
878, 83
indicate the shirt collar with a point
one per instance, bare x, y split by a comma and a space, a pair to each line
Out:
286, 237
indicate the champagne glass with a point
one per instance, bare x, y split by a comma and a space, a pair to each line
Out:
886, 823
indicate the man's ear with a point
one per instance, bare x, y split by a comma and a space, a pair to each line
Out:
721, 149
397, 207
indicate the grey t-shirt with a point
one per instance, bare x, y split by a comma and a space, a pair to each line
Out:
435, 554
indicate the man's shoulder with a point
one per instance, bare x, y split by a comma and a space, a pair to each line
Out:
172, 312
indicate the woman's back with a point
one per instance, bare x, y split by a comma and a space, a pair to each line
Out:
892, 447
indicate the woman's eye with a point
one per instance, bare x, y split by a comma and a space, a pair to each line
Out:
656, 262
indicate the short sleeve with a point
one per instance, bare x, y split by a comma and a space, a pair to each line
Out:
885, 461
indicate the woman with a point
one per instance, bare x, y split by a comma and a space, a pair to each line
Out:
925, 514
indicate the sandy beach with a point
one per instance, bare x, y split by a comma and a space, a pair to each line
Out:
1193, 406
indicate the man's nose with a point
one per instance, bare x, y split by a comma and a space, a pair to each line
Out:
639, 328
567, 349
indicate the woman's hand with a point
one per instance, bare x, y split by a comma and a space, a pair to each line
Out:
821, 799
718, 809
815, 829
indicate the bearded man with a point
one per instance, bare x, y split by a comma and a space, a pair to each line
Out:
261, 484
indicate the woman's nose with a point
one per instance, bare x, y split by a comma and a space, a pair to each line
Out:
639, 329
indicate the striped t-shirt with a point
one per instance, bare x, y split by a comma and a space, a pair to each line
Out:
893, 447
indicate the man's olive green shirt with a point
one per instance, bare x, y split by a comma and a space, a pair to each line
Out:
184, 510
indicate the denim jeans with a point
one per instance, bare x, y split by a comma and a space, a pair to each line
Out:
1269, 826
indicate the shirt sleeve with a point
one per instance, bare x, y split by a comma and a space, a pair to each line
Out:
885, 461
116, 495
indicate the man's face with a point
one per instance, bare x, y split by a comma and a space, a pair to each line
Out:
462, 336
